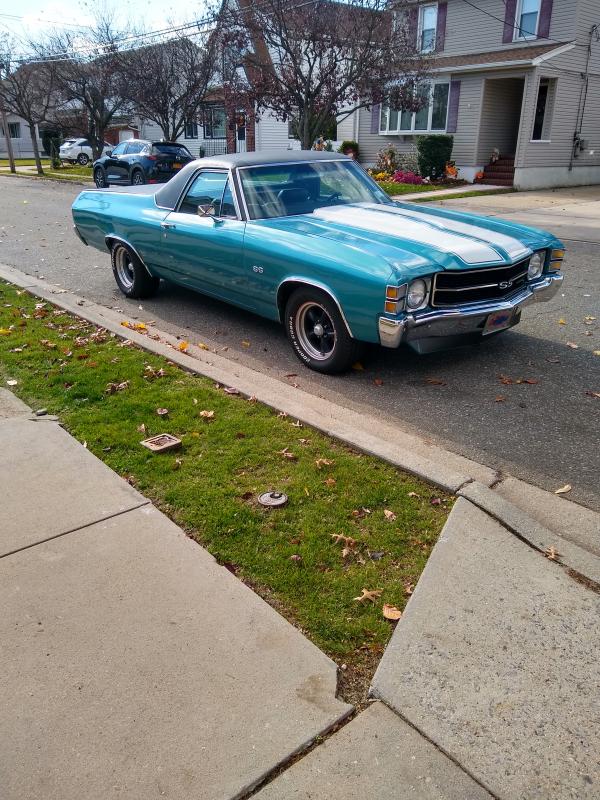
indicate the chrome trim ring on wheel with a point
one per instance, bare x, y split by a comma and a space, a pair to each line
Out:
315, 331
124, 267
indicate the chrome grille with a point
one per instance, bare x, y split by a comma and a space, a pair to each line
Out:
478, 285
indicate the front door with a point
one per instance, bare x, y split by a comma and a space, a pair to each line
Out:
205, 252
116, 167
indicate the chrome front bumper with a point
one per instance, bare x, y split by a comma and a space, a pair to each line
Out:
443, 327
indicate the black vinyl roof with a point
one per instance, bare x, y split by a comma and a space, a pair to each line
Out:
168, 195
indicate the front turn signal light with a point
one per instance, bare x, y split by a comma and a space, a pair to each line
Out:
556, 260
391, 306
392, 292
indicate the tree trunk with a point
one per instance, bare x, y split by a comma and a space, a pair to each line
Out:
9, 150
36, 148
306, 141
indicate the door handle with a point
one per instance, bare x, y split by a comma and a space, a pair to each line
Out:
167, 225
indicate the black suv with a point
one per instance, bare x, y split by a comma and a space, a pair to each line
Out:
136, 161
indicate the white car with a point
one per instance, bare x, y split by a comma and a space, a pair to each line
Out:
78, 150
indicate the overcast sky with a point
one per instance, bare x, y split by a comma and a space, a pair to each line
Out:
27, 18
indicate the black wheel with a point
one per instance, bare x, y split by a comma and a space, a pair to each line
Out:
131, 275
83, 159
137, 178
100, 178
318, 333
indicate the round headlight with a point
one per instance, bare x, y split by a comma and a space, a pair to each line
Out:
536, 266
417, 292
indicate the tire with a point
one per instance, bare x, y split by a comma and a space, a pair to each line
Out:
137, 178
318, 334
131, 275
83, 159
100, 178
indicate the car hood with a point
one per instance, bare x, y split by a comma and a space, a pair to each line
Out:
408, 236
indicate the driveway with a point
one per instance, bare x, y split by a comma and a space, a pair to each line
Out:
544, 432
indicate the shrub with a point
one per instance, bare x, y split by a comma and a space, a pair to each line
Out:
433, 153
387, 159
407, 177
349, 148
409, 161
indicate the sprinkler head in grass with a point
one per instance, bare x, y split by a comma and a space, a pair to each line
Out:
273, 499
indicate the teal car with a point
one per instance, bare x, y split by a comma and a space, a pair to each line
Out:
309, 239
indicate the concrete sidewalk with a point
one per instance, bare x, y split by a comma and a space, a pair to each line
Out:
134, 666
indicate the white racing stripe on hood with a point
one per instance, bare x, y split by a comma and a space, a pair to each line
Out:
368, 217
513, 247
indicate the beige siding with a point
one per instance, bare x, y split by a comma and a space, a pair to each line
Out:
500, 117
469, 114
371, 143
469, 30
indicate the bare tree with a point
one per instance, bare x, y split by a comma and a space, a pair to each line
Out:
28, 90
311, 61
167, 82
88, 80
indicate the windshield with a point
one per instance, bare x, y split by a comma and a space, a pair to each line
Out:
283, 190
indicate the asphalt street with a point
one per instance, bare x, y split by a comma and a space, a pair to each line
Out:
544, 432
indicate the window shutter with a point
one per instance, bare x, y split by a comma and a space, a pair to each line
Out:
545, 17
452, 122
375, 114
440, 34
509, 21
413, 26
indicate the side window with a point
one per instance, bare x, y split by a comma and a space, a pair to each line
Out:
206, 190
119, 149
85, 143
227, 204
134, 147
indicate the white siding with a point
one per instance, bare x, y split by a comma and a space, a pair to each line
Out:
22, 147
272, 134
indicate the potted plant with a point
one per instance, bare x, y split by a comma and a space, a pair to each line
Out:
349, 148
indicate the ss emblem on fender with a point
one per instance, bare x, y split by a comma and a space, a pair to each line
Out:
505, 284
258, 269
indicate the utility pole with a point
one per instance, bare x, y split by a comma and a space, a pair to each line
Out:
9, 150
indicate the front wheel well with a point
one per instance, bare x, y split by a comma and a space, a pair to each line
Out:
286, 290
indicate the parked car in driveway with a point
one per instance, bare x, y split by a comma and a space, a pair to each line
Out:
136, 162
308, 238
78, 151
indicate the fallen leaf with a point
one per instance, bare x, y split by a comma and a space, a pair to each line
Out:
573, 346
361, 513
531, 381
330, 482
562, 321
413, 494
391, 612
376, 555
296, 558
323, 462
589, 318
207, 414
408, 588
389, 515
435, 501
589, 393
505, 380
378, 382
436, 381
291, 375
5, 332
347, 541
552, 553
252, 399
113, 388
371, 595
282, 415
203, 346
297, 424
230, 390
500, 398
306, 492
85, 445
287, 454
177, 463
596, 352
141, 428
553, 360
563, 489
183, 347
245, 343
162, 412
358, 366
12, 382
346, 551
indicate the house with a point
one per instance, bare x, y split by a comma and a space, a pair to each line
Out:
20, 137
518, 78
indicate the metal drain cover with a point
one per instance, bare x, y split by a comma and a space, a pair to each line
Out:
273, 499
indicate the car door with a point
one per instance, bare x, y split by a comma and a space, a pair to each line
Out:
205, 252
115, 166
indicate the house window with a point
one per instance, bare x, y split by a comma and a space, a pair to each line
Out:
526, 20
14, 130
431, 117
427, 28
190, 130
214, 122
544, 107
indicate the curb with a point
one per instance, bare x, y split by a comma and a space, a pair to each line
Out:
446, 470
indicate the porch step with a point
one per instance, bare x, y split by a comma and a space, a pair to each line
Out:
501, 172
493, 181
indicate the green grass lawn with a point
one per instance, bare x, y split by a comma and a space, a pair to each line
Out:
458, 195
392, 188
24, 162
230, 455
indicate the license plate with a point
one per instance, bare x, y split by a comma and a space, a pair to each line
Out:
176, 165
498, 321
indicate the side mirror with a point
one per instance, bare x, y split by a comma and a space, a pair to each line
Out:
108, 152
206, 210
